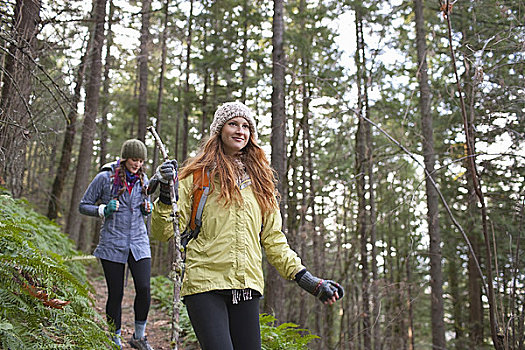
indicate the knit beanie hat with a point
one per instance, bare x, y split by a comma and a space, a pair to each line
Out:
230, 110
133, 148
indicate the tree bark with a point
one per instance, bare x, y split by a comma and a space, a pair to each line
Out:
105, 89
103, 124
89, 125
360, 175
186, 99
244, 54
410, 326
457, 300
67, 146
15, 113
160, 95
273, 302
205, 106
143, 70
475, 306
436, 273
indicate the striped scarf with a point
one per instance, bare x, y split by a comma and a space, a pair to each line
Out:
131, 179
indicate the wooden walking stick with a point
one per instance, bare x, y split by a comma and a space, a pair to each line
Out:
176, 266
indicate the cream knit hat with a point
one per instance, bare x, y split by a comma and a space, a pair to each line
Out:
230, 110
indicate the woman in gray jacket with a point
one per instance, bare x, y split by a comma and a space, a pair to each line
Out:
117, 194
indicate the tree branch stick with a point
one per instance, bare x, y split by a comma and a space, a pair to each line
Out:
176, 266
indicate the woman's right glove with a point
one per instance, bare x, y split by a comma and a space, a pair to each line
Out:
105, 210
323, 289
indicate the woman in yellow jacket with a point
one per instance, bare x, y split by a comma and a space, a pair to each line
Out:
223, 280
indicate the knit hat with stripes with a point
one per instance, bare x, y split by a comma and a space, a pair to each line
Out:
230, 110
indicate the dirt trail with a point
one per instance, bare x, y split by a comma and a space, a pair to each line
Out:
159, 327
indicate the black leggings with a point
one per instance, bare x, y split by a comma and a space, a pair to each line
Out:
114, 273
221, 325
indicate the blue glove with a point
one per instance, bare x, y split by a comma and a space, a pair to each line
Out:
323, 289
111, 207
166, 171
146, 207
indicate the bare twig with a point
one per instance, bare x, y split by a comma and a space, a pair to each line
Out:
497, 334
443, 200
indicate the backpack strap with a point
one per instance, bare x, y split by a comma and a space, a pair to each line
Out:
113, 176
201, 189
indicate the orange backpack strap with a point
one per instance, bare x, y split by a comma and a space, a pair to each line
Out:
201, 189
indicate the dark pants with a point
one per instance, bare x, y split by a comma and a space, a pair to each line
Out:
114, 273
221, 325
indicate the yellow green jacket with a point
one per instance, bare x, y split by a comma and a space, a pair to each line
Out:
227, 253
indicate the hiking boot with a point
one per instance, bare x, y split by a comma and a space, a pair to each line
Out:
141, 343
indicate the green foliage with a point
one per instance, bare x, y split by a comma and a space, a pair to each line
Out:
36, 266
162, 296
284, 336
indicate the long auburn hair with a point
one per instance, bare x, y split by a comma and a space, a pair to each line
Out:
211, 157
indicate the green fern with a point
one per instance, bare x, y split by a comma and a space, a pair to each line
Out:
286, 336
162, 296
36, 257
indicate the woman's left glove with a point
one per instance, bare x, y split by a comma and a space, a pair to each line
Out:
323, 289
146, 207
167, 171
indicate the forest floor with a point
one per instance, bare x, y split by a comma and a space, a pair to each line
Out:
158, 329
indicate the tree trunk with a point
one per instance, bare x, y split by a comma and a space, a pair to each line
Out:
475, 313
103, 124
410, 330
294, 312
457, 300
372, 216
15, 114
436, 273
274, 289
164, 51
143, 70
105, 89
475, 307
360, 171
205, 106
89, 126
186, 99
243, 69
67, 146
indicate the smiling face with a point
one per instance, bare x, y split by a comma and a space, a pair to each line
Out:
235, 135
133, 164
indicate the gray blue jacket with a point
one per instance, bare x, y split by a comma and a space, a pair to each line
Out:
124, 230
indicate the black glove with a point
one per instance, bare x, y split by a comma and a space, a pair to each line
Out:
164, 195
152, 186
167, 171
323, 289
163, 174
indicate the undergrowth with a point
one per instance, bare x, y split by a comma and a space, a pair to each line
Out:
45, 294
286, 336
46, 302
